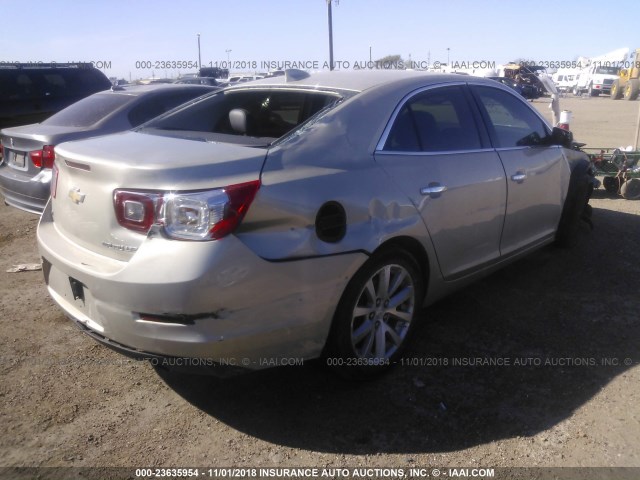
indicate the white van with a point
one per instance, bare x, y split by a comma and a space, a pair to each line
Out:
565, 80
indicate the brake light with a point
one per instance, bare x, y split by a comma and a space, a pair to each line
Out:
203, 215
43, 158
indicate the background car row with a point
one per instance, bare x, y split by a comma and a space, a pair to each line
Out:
28, 151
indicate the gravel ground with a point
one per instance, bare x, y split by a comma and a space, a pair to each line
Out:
562, 324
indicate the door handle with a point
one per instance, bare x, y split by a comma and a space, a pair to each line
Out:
433, 189
519, 177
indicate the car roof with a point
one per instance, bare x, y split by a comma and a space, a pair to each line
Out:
137, 90
353, 80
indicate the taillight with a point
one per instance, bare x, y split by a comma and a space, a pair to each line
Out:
240, 198
43, 158
136, 210
203, 215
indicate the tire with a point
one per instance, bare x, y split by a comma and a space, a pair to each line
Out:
616, 94
631, 189
575, 209
592, 92
575, 91
631, 90
375, 318
611, 184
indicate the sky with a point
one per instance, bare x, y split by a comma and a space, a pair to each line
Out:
144, 38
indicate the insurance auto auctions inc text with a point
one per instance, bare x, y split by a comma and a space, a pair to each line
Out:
270, 65
363, 472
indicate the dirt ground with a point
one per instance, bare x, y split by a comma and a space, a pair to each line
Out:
598, 121
563, 324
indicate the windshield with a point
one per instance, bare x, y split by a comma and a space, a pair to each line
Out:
89, 110
257, 113
607, 70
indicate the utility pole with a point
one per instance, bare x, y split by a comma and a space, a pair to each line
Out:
635, 140
330, 34
199, 58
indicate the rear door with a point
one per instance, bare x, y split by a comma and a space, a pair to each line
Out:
534, 170
434, 150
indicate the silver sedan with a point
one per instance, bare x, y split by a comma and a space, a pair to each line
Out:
303, 216
27, 152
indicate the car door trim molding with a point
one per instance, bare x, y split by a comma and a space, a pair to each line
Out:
524, 147
420, 153
312, 257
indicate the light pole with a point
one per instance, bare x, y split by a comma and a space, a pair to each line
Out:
370, 60
330, 35
199, 58
448, 49
228, 61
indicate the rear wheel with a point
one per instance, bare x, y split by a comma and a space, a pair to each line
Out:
631, 90
611, 184
375, 315
631, 189
616, 94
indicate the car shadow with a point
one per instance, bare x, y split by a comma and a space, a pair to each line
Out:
601, 193
512, 355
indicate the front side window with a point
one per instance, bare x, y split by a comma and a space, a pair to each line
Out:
438, 120
511, 122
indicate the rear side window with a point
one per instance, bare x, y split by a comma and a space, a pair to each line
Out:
20, 85
438, 120
89, 110
29, 84
85, 81
511, 122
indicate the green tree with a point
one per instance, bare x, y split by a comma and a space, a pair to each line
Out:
390, 62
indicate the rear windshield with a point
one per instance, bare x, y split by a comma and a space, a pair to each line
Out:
89, 110
29, 84
268, 113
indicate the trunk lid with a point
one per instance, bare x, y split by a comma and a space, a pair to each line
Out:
89, 171
19, 141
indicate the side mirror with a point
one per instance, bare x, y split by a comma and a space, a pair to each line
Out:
561, 137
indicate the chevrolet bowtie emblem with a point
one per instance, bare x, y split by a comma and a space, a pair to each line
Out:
76, 195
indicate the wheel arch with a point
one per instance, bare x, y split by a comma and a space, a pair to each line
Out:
575, 204
414, 248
